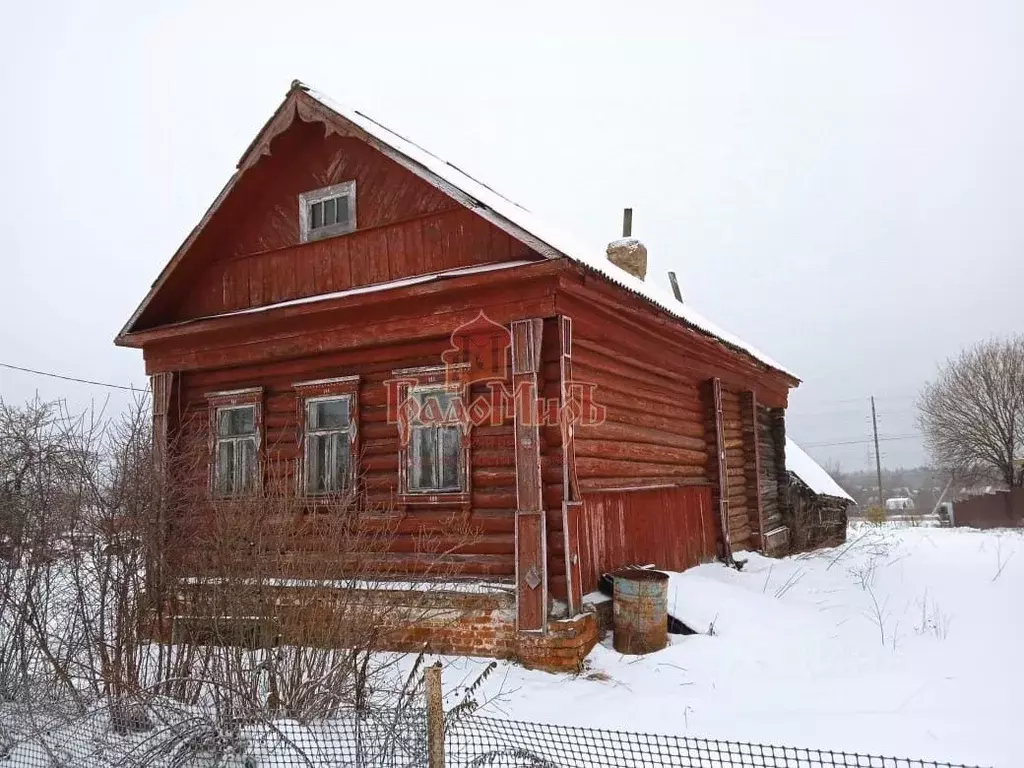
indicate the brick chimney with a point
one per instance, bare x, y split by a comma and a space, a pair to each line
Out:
628, 252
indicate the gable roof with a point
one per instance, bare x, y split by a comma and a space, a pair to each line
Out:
811, 474
310, 105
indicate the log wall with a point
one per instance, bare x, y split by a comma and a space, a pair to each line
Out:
818, 521
487, 552
652, 432
774, 477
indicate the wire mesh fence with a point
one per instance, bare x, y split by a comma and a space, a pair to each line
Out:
484, 741
167, 735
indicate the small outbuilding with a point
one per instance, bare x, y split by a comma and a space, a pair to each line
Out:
817, 502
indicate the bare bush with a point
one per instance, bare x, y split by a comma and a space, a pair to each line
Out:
127, 590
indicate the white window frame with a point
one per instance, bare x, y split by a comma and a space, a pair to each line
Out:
462, 485
310, 433
237, 469
346, 191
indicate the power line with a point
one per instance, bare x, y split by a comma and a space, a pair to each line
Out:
863, 399
62, 377
129, 388
864, 441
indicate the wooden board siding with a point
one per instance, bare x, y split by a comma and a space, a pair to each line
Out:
549, 385
752, 469
404, 313
672, 528
774, 477
432, 243
740, 528
531, 528
250, 255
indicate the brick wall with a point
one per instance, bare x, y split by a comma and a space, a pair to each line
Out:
443, 622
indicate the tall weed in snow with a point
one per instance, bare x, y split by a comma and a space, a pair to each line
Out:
932, 619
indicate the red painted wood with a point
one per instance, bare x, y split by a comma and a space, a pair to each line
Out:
753, 469
719, 464
531, 555
249, 253
554, 487
671, 527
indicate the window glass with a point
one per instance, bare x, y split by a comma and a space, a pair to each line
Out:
435, 460
344, 206
330, 211
236, 421
225, 464
235, 457
329, 432
423, 456
451, 455
328, 414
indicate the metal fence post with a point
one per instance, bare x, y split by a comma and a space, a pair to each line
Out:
435, 717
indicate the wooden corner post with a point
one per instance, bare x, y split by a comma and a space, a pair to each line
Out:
531, 554
752, 463
717, 468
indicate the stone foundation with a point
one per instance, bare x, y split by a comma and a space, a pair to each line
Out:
451, 622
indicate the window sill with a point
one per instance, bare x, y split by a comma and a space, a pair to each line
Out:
434, 499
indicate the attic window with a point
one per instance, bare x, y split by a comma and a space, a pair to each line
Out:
327, 212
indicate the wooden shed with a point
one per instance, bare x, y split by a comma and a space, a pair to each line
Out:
818, 506
353, 314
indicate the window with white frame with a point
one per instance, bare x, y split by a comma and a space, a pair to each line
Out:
236, 449
330, 431
436, 459
328, 211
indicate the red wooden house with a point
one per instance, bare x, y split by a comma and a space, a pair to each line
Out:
368, 317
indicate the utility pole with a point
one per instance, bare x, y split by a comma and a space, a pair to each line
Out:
878, 456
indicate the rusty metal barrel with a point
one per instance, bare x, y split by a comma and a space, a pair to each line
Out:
640, 610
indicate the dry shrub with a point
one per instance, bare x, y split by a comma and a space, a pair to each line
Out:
122, 582
876, 515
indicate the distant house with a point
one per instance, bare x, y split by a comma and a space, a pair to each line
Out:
355, 315
899, 504
818, 504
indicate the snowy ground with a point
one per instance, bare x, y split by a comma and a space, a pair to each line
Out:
906, 642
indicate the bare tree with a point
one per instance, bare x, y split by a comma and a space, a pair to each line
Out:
972, 414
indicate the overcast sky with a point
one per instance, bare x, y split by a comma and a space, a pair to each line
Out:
839, 183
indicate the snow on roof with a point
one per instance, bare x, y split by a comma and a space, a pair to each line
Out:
811, 473
523, 219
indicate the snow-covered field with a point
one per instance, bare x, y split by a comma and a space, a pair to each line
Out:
906, 642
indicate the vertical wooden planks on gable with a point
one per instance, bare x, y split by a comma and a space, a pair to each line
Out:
752, 468
531, 555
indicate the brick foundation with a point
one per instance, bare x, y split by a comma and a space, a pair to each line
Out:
443, 622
